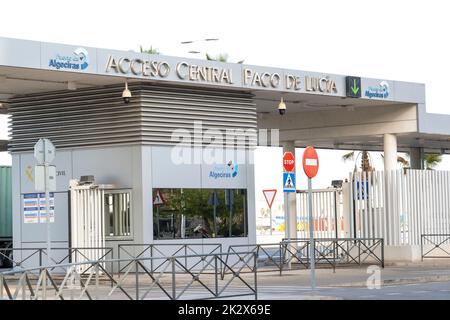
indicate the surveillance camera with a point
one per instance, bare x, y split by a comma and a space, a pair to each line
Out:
282, 107
126, 95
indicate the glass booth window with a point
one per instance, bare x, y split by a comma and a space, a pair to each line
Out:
199, 213
117, 214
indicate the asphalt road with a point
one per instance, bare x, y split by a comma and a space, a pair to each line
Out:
416, 291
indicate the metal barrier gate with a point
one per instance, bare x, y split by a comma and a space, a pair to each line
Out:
435, 246
23, 258
293, 254
173, 281
154, 250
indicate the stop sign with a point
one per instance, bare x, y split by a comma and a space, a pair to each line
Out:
310, 162
288, 162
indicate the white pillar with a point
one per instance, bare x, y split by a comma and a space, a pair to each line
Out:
290, 201
390, 152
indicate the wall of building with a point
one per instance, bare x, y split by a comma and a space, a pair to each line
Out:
119, 166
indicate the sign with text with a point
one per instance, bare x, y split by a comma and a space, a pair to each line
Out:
35, 207
44, 151
288, 162
310, 162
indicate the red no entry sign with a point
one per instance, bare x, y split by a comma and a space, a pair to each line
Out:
310, 162
288, 162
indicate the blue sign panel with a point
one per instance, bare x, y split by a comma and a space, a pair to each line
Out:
363, 192
288, 182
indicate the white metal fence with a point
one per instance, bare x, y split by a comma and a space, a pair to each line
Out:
400, 205
87, 221
327, 209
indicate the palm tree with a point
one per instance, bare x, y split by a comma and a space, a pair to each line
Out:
221, 57
432, 160
366, 160
150, 50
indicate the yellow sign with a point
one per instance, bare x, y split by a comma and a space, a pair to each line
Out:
29, 173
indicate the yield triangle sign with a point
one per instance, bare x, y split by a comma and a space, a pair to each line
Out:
158, 199
270, 196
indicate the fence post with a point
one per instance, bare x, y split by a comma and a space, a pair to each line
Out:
216, 278
281, 257
118, 259
335, 247
185, 256
421, 246
40, 257
151, 256
359, 251
174, 288
255, 275
136, 276
23, 286
44, 284
96, 280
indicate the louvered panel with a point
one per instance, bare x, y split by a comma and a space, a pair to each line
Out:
98, 116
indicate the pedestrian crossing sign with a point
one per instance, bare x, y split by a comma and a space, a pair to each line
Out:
288, 182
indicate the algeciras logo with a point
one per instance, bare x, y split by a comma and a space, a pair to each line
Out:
79, 60
230, 170
381, 91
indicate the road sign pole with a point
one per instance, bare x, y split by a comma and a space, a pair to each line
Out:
47, 202
312, 257
44, 152
287, 231
270, 214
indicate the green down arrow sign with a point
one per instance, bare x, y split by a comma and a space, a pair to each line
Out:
355, 87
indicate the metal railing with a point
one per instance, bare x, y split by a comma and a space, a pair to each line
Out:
339, 251
37, 257
268, 255
134, 251
138, 282
437, 242
293, 254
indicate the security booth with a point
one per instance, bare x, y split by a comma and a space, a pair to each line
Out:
131, 148
169, 143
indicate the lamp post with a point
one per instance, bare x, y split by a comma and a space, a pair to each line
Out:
190, 42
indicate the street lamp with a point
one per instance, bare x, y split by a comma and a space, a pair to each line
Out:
197, 41
192, 41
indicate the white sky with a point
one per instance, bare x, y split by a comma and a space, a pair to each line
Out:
399, 40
